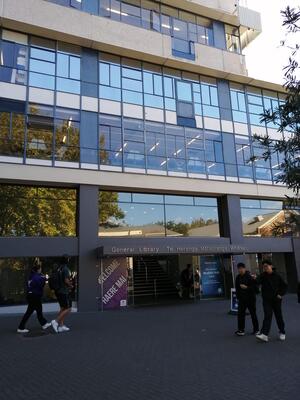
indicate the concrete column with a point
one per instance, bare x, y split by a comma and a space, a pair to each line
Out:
88, 236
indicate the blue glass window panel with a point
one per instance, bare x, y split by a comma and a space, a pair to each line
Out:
196, 167
166, 25
209, 150
263, 174
255, 99
148, 82
184, 91
234, 100
122, 196
169, 87
214, 96
42, 67
255, 120
158, 89
170, 104
271, 204
156, 163
134, 147
241, 101
68, 85
196, 154
131, 9
116, 7
115, 76
218, 151
231, 170
211, 111
210, 35
182, 46
134, 160
153, 101
206, 201
134, 135
256, 109
146, 18
184, 200
247, 203
197, 97
110, 93
131, 73
63, 65
215, 169
205, 94
198, 109
245, 171
131, 84
155, 21
239, 116
272, 124
196, 88
132, 97
41, 81
74, 67
42, 54
180, 29
104, 74
176, 165
147, 198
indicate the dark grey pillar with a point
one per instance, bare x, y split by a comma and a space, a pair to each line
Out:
224, 100
88, 238
89, 72
89, 137
231, 219
219, 35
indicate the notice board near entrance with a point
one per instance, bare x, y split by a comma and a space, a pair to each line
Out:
212, 276
113, 283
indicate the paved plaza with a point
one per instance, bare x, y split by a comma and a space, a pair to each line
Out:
151, 353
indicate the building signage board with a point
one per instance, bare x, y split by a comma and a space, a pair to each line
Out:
212, 277
164, 249
113, 283
234, 304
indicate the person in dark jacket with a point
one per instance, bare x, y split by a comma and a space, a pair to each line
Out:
245, 286
35, 287
273, 288
187, 281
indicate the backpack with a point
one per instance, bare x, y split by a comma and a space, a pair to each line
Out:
55, 279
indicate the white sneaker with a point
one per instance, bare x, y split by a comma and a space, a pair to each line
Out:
46, 326
282, 336
54, 324
63, 328
22, 330
262, 337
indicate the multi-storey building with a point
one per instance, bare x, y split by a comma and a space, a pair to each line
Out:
126, 142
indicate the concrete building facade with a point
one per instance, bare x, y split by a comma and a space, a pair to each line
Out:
126, 142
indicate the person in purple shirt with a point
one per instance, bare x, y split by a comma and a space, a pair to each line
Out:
35, 288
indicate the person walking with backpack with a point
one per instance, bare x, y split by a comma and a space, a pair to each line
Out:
273, 288
35, 288
62, 285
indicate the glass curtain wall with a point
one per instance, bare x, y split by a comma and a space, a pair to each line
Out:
154, 215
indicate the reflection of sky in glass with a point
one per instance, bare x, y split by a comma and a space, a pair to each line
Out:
141, 214
249, 214
188, 214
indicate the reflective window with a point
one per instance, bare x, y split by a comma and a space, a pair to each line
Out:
12, 134
37, 211
14, 272
141, 214
263, 218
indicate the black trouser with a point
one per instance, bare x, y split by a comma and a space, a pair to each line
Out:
34, 304
251, 305
270, 306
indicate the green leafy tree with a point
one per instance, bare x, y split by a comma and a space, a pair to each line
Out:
109, 208
287, 116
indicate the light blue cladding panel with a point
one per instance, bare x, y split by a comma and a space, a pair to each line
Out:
229, 148
89, 72
90, 6
219, 35
89, 137
224, 99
